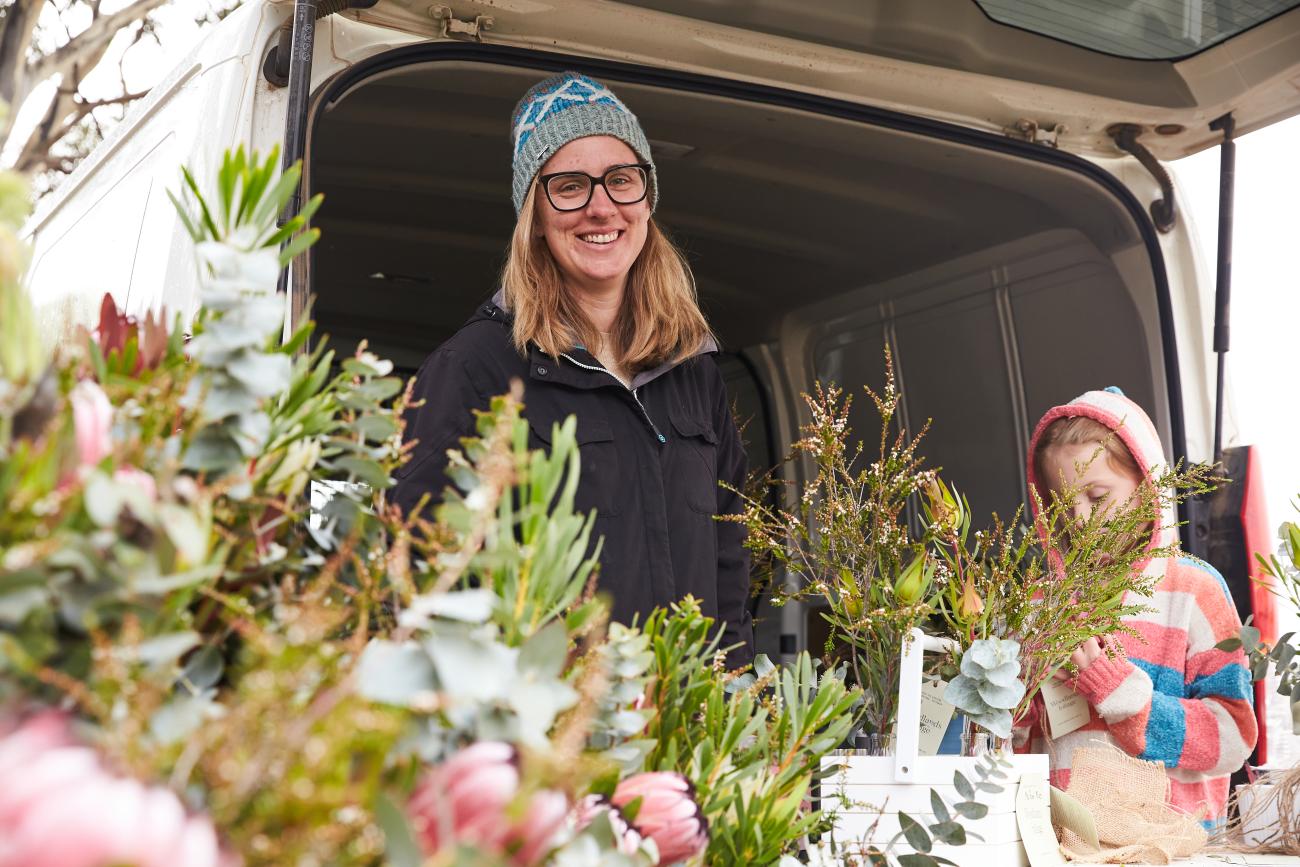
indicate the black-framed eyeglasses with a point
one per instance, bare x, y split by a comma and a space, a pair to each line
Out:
571, 191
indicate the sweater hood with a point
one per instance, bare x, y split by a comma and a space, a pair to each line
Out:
1135, 430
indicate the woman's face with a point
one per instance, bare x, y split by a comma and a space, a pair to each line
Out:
594, 246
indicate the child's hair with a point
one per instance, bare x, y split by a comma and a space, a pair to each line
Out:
1079, 430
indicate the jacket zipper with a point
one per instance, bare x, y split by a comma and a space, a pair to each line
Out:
641, 406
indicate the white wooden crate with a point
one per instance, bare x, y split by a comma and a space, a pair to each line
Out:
867, 788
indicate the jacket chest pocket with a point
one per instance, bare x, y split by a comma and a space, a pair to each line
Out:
598, 457
693, 460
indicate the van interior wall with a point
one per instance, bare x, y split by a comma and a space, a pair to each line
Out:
812, 239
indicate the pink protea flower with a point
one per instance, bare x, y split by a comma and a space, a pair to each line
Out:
59, 807
467, 798
92, 418
668, 813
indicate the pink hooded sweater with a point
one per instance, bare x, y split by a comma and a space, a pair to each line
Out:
1175, 699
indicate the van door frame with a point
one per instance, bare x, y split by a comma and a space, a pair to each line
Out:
338, 86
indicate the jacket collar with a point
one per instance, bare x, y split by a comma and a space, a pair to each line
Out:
574, 367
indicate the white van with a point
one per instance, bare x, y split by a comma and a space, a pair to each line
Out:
975, 182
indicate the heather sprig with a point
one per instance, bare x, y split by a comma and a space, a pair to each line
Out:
1053, 585
846, 540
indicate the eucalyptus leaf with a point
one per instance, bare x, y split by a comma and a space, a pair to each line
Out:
165, 650
397, 674
916, 835
963, 786
467, 606
400, 848
973, 810
204, 668
1249, 638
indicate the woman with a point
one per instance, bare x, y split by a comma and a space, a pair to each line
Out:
597, 316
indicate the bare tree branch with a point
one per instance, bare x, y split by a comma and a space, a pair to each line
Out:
91, 42
66, 111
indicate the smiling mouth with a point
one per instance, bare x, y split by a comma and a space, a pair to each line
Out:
600, 239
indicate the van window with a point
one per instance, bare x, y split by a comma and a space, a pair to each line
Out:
1138, 29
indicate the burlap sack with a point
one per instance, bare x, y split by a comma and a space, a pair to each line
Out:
1128, 798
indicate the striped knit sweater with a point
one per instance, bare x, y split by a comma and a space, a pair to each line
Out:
1175, 698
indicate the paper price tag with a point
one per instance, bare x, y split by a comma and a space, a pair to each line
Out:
1066, 709
1034, 820
935, 716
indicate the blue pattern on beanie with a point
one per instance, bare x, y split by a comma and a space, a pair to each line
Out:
569, 91
560, 109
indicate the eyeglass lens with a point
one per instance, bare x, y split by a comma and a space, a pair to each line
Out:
626, 185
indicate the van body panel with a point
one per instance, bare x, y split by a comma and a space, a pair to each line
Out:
944, 59
111, 226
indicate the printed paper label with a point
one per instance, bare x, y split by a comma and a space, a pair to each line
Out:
1034, 820
935, 716
1066, 709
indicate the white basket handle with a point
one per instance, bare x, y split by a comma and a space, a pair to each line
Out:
907, 731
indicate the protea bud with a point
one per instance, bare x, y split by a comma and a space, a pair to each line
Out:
912, 583
945, 509
466, 800
667, 813
60, 806
971, 605
92, 418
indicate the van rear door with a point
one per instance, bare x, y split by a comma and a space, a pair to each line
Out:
1066, 69
1060, 71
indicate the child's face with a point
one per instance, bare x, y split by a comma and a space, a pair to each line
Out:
1100, 485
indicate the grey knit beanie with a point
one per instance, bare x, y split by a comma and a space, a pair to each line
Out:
560, 109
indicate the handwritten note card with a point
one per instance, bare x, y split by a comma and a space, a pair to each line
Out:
935, 716
1034, 820
1066, 709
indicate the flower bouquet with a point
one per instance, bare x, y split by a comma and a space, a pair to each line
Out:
199, 668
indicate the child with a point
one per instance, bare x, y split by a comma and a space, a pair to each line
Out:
1170, 696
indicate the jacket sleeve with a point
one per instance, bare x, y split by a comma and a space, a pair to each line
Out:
448, 396
1211, 729
733, 557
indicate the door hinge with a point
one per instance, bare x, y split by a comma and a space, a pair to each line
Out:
451, 27
1034, 132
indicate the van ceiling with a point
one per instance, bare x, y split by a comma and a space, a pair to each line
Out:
775, 208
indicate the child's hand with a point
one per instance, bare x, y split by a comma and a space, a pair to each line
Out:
1082, 657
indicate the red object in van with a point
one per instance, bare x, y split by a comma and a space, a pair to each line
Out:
1257, 538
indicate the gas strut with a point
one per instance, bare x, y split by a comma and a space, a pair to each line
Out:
1223, 275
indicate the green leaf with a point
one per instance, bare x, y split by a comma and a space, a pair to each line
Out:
377, 428
1249, 638
166, 649
914, 833
972, 810
950, 833
400, 849
1228, 645
203, 669
917, 859
963, 786
938, 807
363, 470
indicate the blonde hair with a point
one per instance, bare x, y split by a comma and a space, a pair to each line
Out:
1078, 431
659, 321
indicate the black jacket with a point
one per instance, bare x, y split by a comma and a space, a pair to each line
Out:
652, 457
